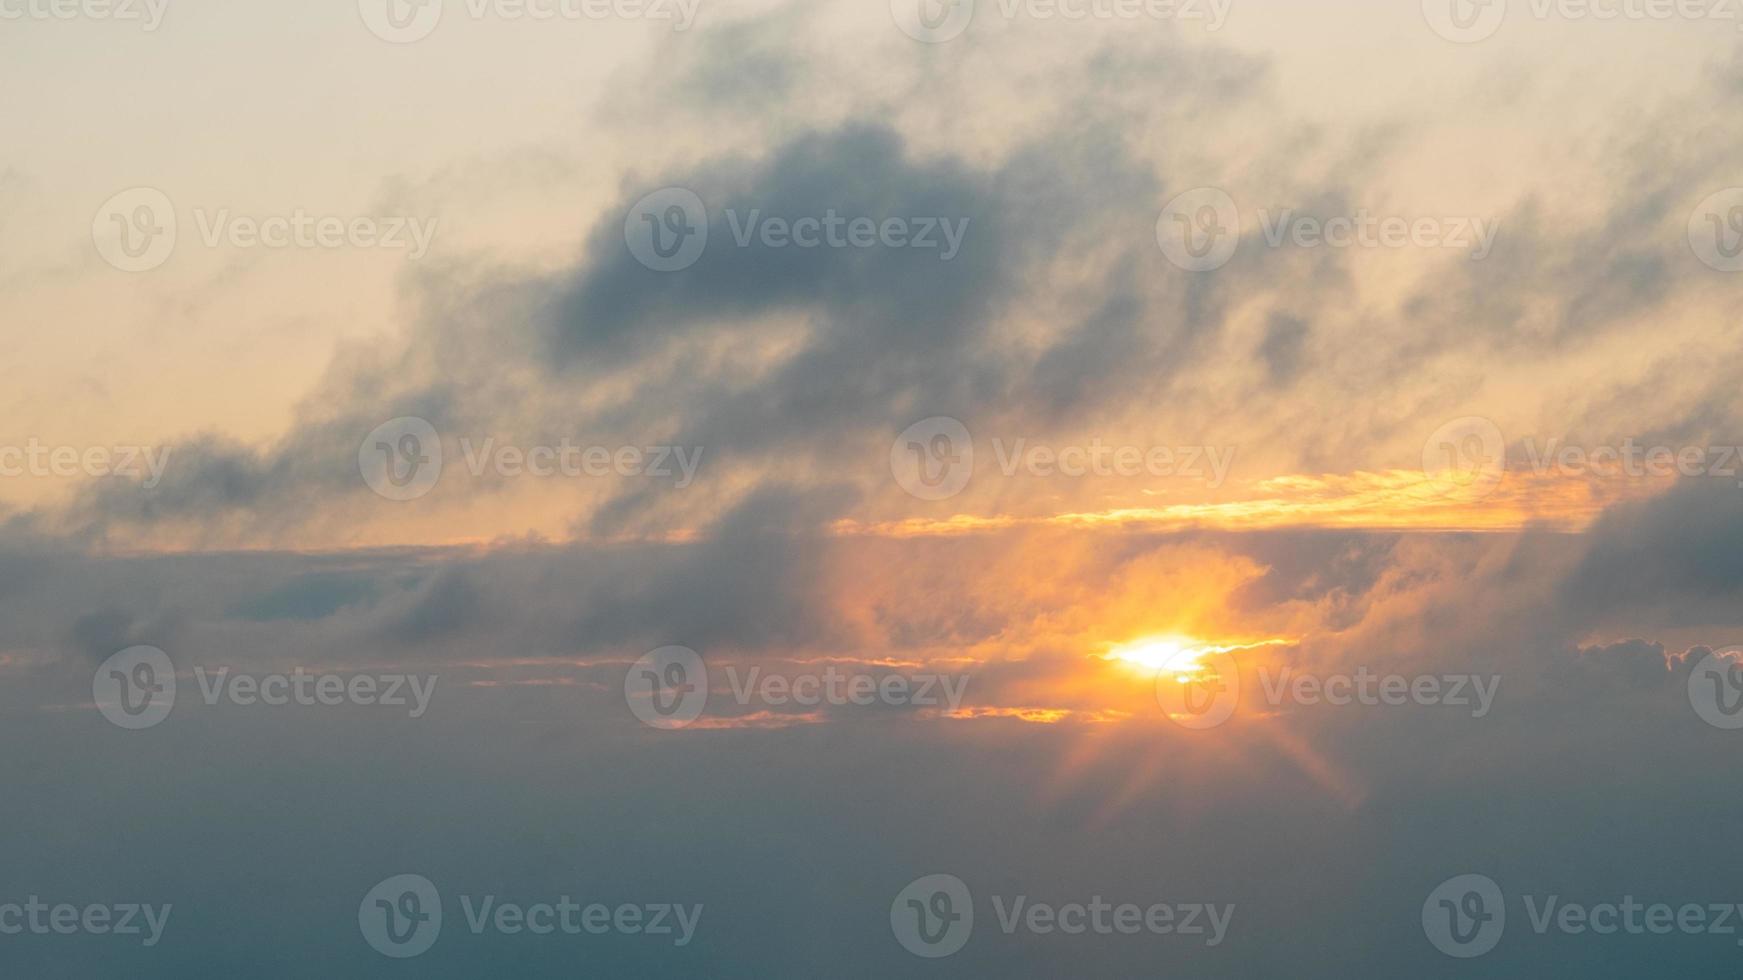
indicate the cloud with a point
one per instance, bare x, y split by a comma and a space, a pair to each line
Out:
1673, 559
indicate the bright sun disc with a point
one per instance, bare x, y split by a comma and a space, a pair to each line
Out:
1161, 653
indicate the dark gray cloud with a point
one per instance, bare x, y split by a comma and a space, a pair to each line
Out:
1591, 747
1674, 559
1282, 347
315, 595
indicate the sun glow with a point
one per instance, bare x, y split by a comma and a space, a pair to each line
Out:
1154, 653
1175, 653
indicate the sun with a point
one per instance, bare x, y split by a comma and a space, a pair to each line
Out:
1175, 653
1171, 652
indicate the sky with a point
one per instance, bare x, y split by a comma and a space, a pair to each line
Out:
748, 488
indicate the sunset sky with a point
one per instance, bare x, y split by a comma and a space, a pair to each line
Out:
1255, 341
